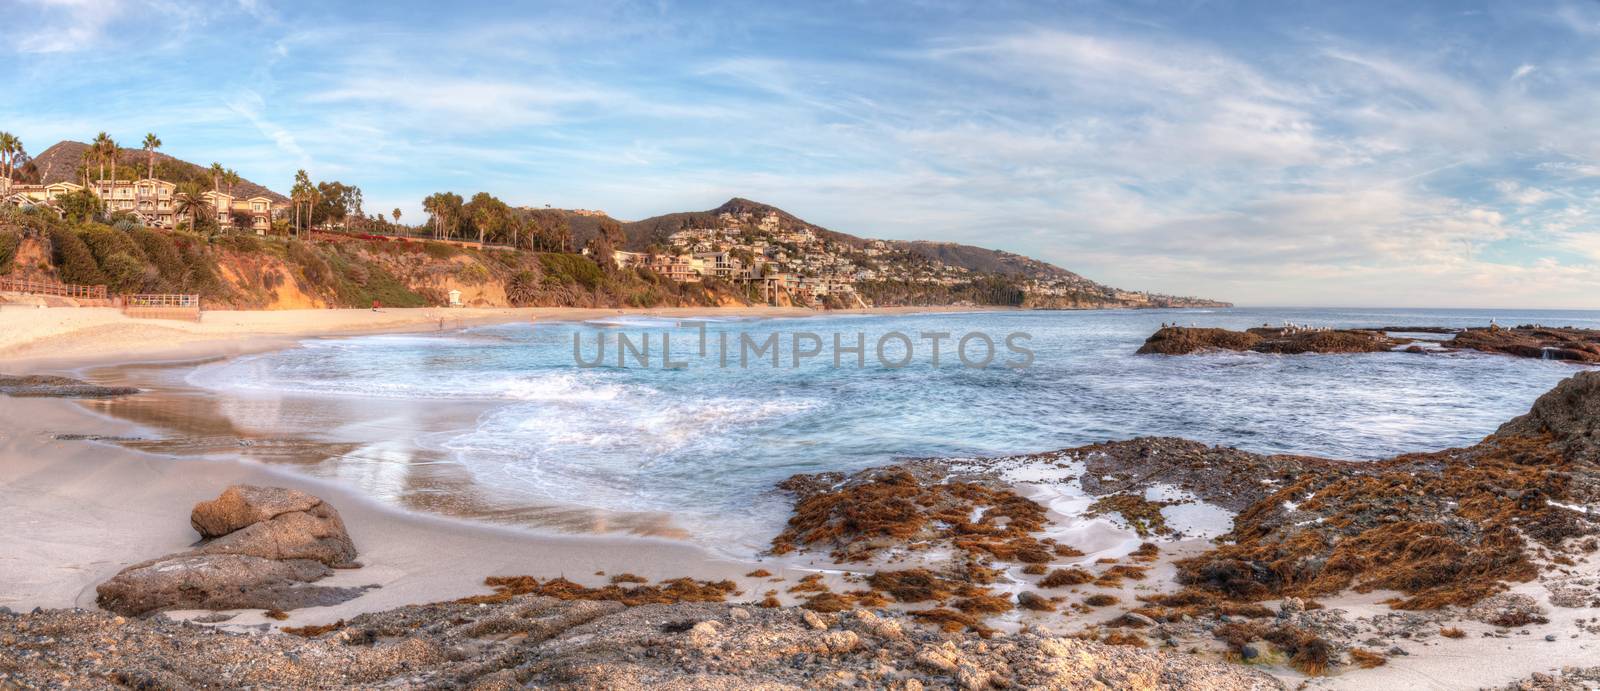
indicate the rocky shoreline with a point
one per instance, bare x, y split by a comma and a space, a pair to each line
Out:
963, 573
1529, 341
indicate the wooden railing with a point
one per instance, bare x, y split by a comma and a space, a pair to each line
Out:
66, 290
183, 301
162, 306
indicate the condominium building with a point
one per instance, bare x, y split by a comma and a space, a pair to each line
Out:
35, 196
149, 199
257, 209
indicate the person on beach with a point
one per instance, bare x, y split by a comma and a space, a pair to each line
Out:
374, 305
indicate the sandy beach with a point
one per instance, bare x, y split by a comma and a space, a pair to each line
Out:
66, 337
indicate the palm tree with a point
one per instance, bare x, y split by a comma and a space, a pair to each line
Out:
10, 146
189, 200
216, 177
84, 161
230, 177
113, 151
301, 192
151, 143
102, 145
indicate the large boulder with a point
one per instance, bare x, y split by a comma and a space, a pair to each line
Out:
221, 581
272, 523
243, 505
262, 546
1569, 413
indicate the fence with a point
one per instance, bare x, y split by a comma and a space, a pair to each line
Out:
162, 306
66, 290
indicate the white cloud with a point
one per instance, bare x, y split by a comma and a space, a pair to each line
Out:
1522, 195
67, 25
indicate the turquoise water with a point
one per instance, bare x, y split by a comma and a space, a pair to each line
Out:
706, 443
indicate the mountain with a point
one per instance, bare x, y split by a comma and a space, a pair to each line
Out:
60, 162
944, 270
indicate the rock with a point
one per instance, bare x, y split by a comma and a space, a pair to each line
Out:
1137, 619
195, 581
244, 505
1034, 601
1178, 340
58, 387
317, 534
1550, 637
1570, 413
1249, 652
813, 619
266, 544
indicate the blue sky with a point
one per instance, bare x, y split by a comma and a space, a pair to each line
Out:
1317, 153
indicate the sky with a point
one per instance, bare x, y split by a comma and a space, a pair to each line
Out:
1429, 154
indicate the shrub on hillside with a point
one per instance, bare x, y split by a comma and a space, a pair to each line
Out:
473, 274
73, 259
316, 271
9, 241
440, 250
124, 274
162, 253
523, 288
247, 244
571, 268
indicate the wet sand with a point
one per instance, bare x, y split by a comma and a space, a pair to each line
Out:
79, 511
33, 339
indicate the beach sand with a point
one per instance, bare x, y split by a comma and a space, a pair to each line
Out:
79, 511
63, 337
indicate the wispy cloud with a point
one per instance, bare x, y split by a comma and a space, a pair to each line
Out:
60, 26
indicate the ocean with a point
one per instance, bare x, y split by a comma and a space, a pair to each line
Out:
701, 443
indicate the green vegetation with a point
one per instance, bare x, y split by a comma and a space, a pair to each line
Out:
73, 259
10, 240
985, 290
571, 268
249, 272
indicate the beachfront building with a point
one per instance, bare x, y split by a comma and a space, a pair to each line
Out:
37, 196
718, 264
149, 199
675, 267
627, 260
256, 211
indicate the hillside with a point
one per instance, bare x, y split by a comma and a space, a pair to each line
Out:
332, 270
60, 163
886, 272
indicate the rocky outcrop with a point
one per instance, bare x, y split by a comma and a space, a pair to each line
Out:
1177, 340
40, 386
1181, 340
1569, 413
542, 642
262, 548
1547, 343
